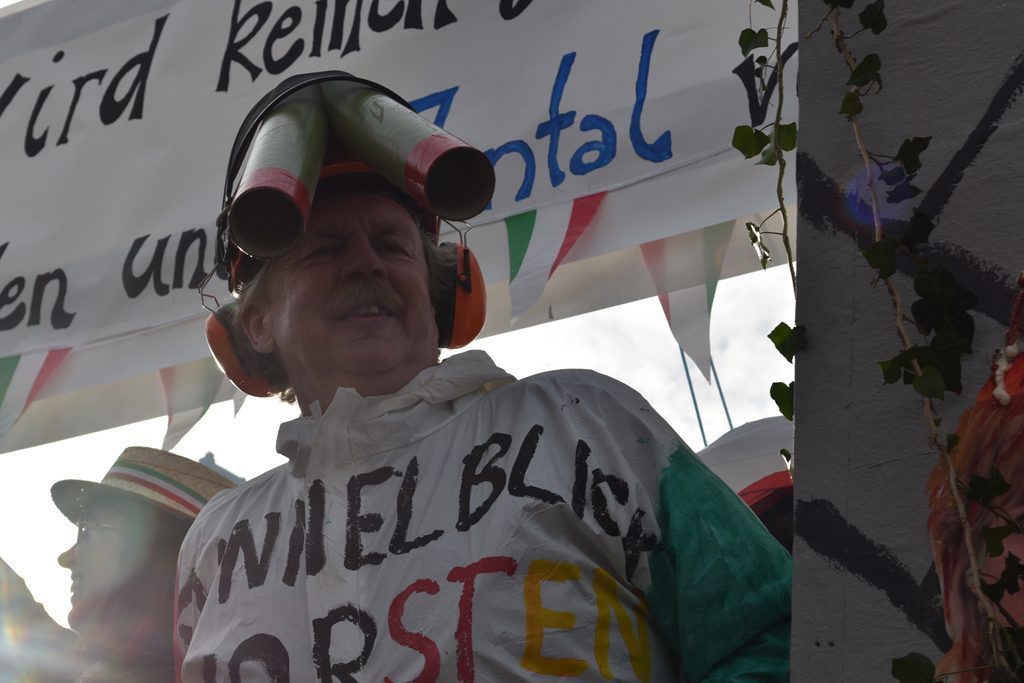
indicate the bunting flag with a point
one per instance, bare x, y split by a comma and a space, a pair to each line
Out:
191, 384
21, 380
688, 311
238, 399
538, 241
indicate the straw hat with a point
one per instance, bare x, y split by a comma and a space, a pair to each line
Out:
175, 484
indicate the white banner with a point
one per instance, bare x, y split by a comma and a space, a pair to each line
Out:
116, 120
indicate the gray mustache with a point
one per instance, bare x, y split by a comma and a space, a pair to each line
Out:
363, 292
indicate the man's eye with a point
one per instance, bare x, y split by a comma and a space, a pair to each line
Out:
321, 251
393, 247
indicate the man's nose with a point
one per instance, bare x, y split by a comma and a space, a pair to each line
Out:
67, 558
361, 258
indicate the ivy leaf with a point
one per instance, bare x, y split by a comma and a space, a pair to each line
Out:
944, 352
766, 3
749, 141
930, 383
994, 537
769, 157
882, 256
763, 255
783, 396
936, 284
930, 315
851, 105
986, 489
920, 230
1009, 580
751, 39
910, 152
894, 175
867, 72
913, 668
873, 17
902, 192
787, 136
943, 304
893, 368
788, 340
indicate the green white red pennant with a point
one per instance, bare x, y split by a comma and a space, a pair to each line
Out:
538, 241
186, 385
688, 311
22, 378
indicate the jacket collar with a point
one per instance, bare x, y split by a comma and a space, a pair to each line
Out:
433, 396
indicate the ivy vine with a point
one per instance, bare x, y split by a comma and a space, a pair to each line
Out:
941, 321
770, 143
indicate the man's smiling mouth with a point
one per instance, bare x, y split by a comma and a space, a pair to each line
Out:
366, 311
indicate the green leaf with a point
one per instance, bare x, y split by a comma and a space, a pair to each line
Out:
994, 537
769, 157
867, 72
913, 668
930, 383
873, 17
787, 455
751, 40
902, 192
943, 303
944, 352
910, 152
1009, 581
951, 441
787, 136
749, 141
766, 3
920, 230
881, 256
986, 489
892, 369
894, 175
788, 340
851, 105
935, 284
783, 397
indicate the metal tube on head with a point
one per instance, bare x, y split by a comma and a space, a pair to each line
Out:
441, 172
271, 206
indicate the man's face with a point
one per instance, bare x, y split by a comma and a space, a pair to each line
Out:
115, 538
349, 305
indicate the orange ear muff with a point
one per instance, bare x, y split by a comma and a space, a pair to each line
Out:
462, 309
218, 337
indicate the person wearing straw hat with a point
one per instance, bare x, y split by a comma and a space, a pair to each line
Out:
130, 527
442, 520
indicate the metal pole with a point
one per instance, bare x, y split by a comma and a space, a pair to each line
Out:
714, 373
693, 395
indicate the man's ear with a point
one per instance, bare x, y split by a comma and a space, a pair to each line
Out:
256, 324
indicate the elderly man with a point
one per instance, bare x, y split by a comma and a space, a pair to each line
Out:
445, 521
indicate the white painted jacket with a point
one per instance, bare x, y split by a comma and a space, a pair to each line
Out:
469, 527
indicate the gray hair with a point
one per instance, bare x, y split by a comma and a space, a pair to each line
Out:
256, 293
